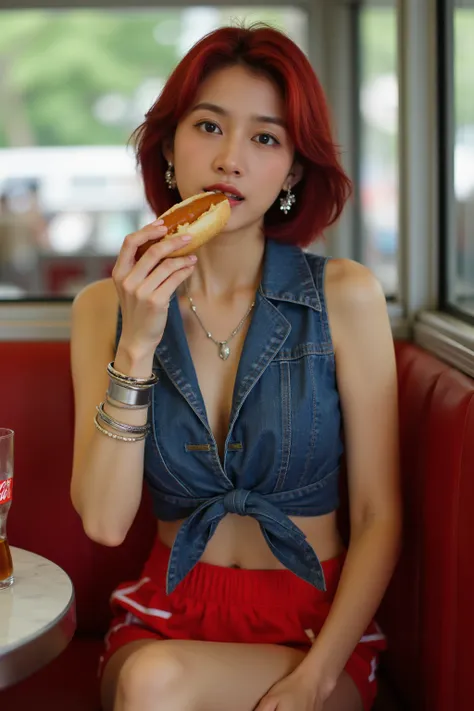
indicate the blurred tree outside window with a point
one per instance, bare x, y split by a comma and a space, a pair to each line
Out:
378, 142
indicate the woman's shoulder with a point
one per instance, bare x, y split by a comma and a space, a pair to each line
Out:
343, 280
100, 296
348, 282
353, 295
95, 308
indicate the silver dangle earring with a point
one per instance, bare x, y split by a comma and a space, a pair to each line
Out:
287, 201
170, 177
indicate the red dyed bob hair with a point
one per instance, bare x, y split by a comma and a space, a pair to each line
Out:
324, 188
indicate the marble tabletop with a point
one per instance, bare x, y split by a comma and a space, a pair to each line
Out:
37, 616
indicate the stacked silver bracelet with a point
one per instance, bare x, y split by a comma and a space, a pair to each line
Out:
133, 393
127, 393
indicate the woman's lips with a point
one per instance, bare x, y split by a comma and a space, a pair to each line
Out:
234, 202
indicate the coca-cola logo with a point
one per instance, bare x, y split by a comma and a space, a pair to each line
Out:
6, 491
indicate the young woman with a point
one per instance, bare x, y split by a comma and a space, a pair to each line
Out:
232, 373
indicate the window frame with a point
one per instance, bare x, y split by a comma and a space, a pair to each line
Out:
446, 330
358, 249
418, 315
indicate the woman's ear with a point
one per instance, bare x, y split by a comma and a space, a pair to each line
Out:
167, 150
294, 176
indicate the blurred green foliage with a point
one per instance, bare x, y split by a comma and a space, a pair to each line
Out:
464, 65
55, 66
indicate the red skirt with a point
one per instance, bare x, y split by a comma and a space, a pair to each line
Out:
219, 604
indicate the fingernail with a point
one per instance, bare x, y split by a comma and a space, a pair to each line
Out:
186, 238
158, 222
193, 258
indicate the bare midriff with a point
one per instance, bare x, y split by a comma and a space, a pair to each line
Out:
238, 541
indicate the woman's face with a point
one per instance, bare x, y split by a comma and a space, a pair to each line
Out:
234, 136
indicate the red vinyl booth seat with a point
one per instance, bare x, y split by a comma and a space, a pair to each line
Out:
427, 612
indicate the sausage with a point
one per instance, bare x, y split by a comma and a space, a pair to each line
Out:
194, 216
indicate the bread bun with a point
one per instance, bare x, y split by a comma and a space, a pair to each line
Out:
202, 216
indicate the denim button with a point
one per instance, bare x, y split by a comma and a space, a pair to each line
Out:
235, 501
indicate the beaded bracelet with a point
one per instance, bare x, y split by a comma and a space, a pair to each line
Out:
115, 436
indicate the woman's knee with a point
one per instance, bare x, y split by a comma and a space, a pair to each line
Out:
151, 674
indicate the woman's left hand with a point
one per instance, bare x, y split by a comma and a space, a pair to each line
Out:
293, 693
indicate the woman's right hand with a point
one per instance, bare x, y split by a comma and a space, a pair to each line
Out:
146, 286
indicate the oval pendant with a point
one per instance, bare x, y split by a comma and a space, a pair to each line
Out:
224, 351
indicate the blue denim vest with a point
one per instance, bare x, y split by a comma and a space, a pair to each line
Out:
283, 446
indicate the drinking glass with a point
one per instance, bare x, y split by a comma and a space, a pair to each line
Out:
6, 494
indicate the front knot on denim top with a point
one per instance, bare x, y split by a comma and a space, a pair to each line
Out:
287, 542
235, 501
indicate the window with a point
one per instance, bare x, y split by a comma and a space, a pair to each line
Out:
457, 175
73, 86
377, 231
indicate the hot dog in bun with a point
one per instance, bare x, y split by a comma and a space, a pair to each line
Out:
202, 216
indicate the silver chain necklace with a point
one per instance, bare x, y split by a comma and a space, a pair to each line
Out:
223, 346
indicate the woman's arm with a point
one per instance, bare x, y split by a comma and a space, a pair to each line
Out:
367, 383
107, 476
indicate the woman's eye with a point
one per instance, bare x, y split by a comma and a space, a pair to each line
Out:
266, 139
208, 126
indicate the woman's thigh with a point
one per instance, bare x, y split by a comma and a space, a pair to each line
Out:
205, 676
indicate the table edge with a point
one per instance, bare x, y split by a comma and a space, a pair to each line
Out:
18, 662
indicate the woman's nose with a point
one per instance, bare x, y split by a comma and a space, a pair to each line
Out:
229, 160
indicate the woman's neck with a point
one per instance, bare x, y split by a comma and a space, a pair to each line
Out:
228, 266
